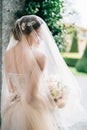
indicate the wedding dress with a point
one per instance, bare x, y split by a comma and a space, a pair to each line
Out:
19, 115
41, 113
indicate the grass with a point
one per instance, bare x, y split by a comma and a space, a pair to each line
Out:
75, 72
76, 56
71, 55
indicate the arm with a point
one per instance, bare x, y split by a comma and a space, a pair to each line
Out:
33, 83
36, 70
41, 60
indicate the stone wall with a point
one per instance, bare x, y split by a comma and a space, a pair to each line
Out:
9, 7
0, 39
7, 10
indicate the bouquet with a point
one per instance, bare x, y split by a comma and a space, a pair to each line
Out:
58, 90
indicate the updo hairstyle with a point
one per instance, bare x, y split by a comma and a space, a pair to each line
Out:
25, 25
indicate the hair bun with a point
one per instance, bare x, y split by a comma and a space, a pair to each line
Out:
25, 25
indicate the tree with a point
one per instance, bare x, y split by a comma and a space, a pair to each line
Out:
49, 11
74, 46
82, 63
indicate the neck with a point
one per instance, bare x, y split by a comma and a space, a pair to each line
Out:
25, 40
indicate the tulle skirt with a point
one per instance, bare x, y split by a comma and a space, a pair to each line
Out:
39, 115
19, 115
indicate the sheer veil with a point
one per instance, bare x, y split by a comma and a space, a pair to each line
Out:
5, 92
73, 112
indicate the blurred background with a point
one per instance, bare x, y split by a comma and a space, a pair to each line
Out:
66, 20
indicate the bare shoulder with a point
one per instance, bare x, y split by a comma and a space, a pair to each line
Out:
8, 53
41, 59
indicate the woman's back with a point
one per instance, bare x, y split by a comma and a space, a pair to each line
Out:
24, 66
24, 74
21, 59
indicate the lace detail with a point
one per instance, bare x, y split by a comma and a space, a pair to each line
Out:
19, 81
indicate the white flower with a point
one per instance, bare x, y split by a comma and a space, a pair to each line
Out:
29, 24
56, 86
24, 24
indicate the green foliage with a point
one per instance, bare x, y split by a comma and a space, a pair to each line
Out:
81, 65
70, 28
49, 11
85, 53
75, 72
59, 38
74, 46
71, 61
71, 58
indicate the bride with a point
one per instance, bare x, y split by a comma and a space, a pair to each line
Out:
38, 91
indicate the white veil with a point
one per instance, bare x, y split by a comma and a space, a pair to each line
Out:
5, 92
73, 112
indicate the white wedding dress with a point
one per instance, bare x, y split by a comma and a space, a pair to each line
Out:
19, 115
41, 113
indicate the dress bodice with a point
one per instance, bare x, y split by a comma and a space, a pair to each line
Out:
19, 81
